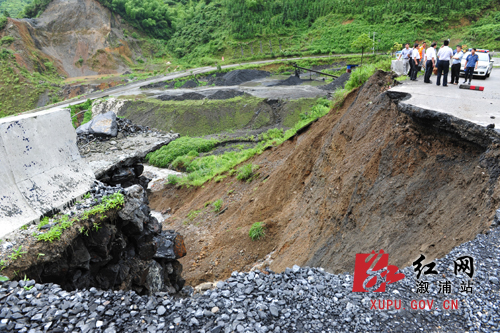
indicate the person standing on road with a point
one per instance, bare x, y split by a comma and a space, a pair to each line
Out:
471, 65
444, 55
415, 59
405, 54
430, 62
421, 51
456, 64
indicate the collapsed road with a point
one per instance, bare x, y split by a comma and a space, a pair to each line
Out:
404, 146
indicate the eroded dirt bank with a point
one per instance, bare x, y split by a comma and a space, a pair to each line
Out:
363, 178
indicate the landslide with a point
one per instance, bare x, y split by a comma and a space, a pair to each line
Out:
364, 177
79, 37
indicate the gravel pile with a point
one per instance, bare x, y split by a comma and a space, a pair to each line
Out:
299, 299
187, 96
226, 94
337, 83
240, 76
291, 81
190, 84
125, 128
93, 198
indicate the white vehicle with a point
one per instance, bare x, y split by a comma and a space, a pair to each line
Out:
484, 66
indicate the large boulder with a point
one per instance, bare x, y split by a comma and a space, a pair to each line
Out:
131, 212
83, 129
104, 125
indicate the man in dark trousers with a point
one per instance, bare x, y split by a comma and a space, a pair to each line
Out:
430, 62
415, 59
455, 65
444, 55
471, 65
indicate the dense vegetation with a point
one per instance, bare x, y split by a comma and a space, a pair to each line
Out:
202, 31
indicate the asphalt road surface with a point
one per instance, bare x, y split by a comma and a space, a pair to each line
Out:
475, 106
132, 88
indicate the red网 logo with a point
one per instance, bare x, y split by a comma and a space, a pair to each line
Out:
372, 272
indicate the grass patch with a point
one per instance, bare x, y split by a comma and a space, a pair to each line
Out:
75, 109
191, 216
113, 201
173, 179
257, 231
182, 146
218, 205
247, 172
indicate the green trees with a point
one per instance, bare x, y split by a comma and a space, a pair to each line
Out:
152, 16
362, 43
396, 47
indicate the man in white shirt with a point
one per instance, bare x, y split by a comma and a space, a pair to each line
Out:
415, 59
430, 62
406, 54
455, 66
445, 54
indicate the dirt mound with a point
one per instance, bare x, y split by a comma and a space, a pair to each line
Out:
183, 97
226, 94
365, 177
239, 76
291, 81
337, 83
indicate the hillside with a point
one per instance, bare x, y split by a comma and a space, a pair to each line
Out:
71, 38
206, 30
78, 38
364, 176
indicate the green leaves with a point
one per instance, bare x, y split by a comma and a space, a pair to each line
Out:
362, 42
256, 231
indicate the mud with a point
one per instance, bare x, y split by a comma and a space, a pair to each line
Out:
365, 177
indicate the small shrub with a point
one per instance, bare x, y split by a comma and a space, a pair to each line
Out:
79, 62
173, 179
359, 76
218, 205
6, 53
257, 231
135, 35
7, 40
247, 172
49, 65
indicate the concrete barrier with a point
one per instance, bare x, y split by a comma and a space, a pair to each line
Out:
40, 167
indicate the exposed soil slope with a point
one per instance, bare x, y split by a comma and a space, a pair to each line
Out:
365, 178
80, 37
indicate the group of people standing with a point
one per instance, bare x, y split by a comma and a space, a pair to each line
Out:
417, 57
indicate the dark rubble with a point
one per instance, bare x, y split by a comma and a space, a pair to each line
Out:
297, 300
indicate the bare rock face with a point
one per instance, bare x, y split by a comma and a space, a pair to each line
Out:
80, 37
127, 251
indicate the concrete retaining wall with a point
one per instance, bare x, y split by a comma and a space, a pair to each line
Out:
40, 167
